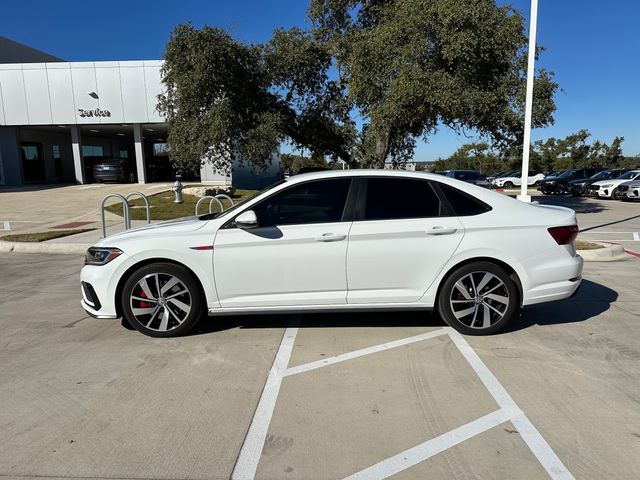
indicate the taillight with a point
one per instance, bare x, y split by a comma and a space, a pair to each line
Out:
564, 235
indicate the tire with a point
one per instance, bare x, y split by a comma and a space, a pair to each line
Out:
508, 185
477, 314
561, 189
180, 307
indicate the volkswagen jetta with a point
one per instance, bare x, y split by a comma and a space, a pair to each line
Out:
329, 241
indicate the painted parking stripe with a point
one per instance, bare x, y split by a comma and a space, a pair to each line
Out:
7, 226
365, 351
428, 449
636, 236
532, 437
247, 462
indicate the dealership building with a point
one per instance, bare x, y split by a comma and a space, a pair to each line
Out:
58, 119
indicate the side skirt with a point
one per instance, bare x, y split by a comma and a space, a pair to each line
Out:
319, 308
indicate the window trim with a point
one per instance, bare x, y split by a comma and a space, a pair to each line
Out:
347, 211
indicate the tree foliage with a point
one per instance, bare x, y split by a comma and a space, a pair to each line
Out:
363, 84
573, 151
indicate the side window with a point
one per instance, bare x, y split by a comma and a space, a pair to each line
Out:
321, 201
395, 198
460, 175
462, 203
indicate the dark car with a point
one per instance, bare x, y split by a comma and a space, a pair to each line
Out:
560, 184
114, 170
469, 176
578, 187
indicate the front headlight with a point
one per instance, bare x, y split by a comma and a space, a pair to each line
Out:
550, 182
608, 185
101, 255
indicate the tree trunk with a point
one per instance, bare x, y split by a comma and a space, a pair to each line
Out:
382, 148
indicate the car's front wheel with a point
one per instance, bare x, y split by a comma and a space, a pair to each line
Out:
508, 184
162, 300
479, 298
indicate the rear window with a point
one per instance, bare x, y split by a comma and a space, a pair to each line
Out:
396, 198
463, 204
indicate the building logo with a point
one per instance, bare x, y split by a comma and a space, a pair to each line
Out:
93, 113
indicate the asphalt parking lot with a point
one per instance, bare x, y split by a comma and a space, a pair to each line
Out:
558, 395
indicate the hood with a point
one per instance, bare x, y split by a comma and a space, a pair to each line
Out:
612, 181
178, 225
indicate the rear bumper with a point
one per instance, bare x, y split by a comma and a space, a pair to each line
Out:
553, 275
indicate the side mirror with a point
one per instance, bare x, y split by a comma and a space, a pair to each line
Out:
247, 219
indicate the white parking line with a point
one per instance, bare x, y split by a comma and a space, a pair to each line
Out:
428, 449
251, 451
247, 462
636, 236
7, 226
365, 351
540, 448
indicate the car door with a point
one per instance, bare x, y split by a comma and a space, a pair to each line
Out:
295, 256
400, 240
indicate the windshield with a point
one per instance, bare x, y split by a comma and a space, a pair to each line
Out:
629, 175
566, 174
606, 175
210, 216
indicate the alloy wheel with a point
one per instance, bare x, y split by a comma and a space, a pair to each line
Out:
160, 302
479, 300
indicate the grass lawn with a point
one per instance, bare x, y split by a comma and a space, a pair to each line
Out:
582, 245
163, 208
42, 236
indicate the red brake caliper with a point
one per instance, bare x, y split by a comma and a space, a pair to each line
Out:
144, 304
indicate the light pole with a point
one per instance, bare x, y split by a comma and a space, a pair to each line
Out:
526, 144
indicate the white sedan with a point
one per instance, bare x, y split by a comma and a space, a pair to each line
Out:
516, 181
327, 241
607, 188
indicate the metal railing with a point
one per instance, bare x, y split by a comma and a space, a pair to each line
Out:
125, 209
211, 200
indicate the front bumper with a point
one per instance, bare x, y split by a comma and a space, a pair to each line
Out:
95, 314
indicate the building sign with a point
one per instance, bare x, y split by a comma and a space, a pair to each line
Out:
93, 113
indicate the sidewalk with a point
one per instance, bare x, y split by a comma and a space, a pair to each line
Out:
39, 208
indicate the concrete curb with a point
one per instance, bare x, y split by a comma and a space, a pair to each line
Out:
612, 253
43, 247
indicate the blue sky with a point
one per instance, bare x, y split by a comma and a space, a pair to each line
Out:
592, 46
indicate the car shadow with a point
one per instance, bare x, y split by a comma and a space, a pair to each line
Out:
592, 299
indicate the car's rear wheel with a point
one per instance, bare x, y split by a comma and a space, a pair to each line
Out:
479, 298
562, 189
162, 300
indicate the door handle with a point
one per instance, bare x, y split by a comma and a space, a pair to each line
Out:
439, 230
330, 237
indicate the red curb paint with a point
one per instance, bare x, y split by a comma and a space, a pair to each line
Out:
630, 252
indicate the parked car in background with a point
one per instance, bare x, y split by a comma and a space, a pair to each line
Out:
607, 188
114, 170
469, 176
628, 190
560, 184
471, 254
579, 187
495, 175
516, 180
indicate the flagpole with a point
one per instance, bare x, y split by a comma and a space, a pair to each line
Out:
526, 144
